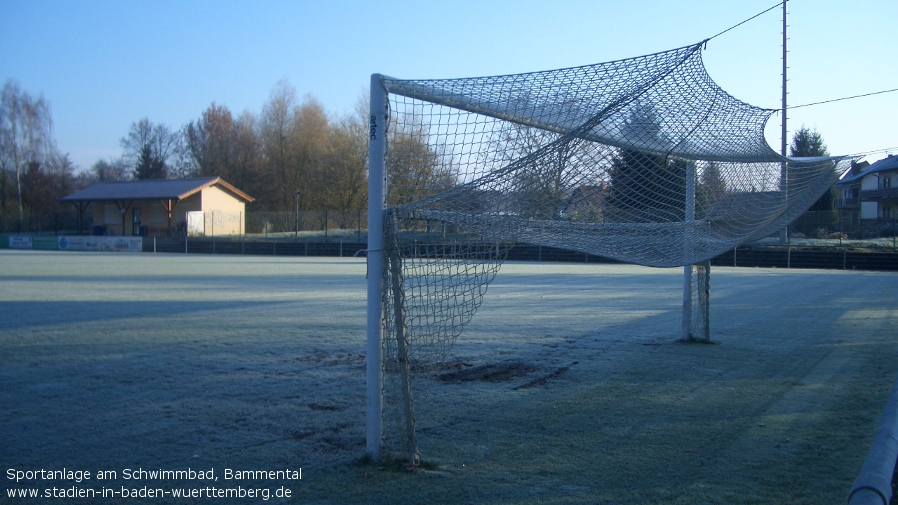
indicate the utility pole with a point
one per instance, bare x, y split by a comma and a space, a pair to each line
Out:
784, 140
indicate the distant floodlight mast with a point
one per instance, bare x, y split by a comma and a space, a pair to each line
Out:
644, 160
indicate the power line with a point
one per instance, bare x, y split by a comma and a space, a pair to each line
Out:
743, 22
807, 104
861, 154
845, 98
877, 151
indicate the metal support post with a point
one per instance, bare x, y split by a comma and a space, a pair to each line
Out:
689, 219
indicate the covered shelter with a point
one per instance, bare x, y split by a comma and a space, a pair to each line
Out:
161, 206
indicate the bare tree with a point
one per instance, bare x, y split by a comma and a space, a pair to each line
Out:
294, 139
25, 137
112, 170
210, 142
415, 167
247, 158
311, 144
44, 183
277, 131
150, 148
345, 180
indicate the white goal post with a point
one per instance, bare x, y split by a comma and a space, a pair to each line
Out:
377, 150
643, 160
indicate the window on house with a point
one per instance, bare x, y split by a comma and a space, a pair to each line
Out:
886, 182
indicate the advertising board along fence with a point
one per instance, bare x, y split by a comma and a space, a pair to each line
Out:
96, 243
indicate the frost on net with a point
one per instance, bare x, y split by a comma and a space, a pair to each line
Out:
644, 160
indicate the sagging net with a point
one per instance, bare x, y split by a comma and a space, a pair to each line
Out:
644, 160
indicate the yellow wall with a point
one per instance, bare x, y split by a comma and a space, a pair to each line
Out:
225, 214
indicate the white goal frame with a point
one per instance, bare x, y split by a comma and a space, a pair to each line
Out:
377, 150
376, 266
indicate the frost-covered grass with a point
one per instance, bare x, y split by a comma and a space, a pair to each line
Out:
569, 386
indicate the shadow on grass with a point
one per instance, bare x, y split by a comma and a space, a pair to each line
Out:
19, 315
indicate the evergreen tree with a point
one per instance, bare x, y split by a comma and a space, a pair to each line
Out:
646, 187
149, 166
808, 143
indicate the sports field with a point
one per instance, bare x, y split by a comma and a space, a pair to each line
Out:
569, 386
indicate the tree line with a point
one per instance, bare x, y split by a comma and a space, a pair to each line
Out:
293, 155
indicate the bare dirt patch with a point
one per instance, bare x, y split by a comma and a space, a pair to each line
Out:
543, 379
489, 372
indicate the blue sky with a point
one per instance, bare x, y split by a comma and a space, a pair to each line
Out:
103, 65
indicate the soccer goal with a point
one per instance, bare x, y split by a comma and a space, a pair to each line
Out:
644, 160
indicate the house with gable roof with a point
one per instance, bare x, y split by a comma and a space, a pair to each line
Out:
160, 207
868, 194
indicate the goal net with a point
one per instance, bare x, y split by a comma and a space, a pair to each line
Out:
643, 160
